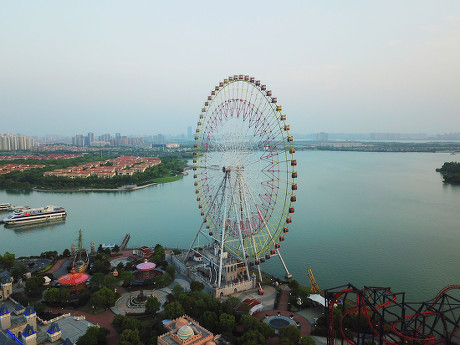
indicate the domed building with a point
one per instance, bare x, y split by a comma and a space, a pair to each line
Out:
186, 331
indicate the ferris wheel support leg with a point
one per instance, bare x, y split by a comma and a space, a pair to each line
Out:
224, 223
240, 235
202, 224
288, 275
260, 273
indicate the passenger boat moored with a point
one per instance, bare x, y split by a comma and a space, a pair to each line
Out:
35, 215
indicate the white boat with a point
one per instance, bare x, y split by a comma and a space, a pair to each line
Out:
18, 208
4, 206
35, 215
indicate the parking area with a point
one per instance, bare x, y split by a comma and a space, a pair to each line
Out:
34, 265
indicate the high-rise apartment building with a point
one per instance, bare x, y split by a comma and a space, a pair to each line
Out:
322, 136
10, 142
90, 139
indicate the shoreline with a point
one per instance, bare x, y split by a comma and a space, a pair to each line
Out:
118, 189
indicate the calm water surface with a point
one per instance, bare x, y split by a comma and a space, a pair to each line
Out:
376, 219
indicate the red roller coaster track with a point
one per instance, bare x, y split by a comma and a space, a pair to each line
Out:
392, 321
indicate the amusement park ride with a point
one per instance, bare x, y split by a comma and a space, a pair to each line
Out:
376, 315
244, 177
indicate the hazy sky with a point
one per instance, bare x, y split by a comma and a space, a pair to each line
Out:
146, 67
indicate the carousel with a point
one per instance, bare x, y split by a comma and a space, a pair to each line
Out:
74, 280
146, 270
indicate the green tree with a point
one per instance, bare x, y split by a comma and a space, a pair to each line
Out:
177, 290
103, 298
116, 249
291, 332
127, 277
49, 255
18, 271
101, 266
196, 286
97, 280
33, 284
7, 260
122, 322
159, 254
110, 281
294, 285
234, 302
285, 341
171, 270
51, 296
253, 338
188, 303
208, 319
226, 322
130, 337
83, 297
66, 253
174, 310
64, 296
248, 322
265, 329
94, 336
152, 305
163, 280
307, 341
39, 307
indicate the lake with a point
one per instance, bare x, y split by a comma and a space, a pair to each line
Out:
375, 219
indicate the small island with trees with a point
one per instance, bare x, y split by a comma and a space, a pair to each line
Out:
450, 172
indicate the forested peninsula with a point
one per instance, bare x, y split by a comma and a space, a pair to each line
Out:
450, 172
170, 169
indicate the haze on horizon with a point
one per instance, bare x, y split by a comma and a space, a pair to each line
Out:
146, 67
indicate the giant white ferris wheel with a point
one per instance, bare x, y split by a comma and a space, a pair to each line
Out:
244, 175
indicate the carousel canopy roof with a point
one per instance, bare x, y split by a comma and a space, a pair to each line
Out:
146, 266
73, 278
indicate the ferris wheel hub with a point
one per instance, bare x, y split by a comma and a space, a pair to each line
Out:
232, 168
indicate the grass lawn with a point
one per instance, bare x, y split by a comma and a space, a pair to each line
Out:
168, 179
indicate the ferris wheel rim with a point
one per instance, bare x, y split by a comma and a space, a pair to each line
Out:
269, 147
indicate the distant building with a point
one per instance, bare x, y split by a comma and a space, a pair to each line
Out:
322, 136
171, 146
10, 142
90, 139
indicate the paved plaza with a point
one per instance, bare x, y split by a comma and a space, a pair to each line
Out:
124, 305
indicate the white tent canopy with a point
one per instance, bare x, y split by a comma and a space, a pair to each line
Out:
318, 299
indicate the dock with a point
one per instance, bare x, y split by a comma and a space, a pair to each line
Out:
125, 241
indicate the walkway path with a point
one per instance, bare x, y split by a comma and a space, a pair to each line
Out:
58, 265
284, 299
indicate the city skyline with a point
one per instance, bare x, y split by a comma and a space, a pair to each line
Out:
72, 68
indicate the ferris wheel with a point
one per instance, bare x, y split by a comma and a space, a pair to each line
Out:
244, 173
